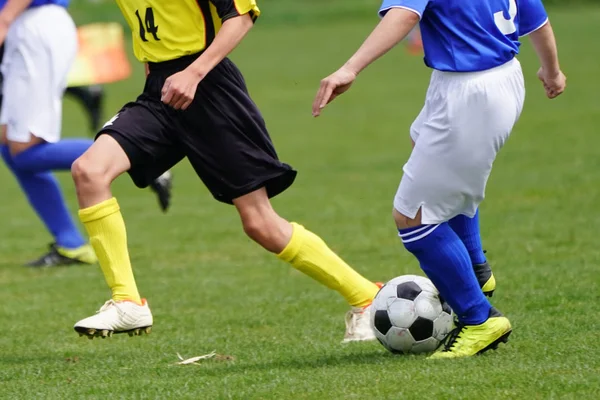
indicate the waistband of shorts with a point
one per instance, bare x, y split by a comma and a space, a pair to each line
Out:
509, 65
176, 64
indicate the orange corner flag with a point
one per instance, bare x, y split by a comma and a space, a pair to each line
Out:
101, 57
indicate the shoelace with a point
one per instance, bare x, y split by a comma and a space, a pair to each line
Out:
107, 305
352, 317
453, 336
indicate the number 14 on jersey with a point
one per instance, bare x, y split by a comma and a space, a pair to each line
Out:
148, 25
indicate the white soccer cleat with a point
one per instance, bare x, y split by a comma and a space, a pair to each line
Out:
358, 325
117, 317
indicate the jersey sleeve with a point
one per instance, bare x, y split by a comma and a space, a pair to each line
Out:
532, 16
232, 8
417, 6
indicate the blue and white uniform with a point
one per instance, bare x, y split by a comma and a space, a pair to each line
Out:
40, 48
475, 97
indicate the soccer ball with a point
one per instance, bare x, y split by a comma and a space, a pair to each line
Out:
408, 315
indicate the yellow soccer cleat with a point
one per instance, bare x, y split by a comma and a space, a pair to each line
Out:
469, 340
58, 256
82, 255
485, 277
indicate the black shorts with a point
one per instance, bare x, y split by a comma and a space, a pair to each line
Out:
222, 134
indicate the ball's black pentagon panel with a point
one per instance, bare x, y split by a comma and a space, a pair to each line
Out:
421, 329
382, 321
408, 290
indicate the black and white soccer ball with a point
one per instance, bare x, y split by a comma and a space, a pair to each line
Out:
408, 315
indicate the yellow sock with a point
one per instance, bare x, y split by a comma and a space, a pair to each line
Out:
108, 236
309, 254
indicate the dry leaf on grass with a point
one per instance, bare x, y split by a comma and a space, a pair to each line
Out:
194, 360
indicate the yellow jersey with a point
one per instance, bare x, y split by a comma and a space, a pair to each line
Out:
164, 30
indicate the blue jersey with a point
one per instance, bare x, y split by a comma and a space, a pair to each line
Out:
37, 3
472, 35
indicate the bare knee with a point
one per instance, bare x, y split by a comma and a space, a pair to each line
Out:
88, 174
267, 228
256, 226
261, 223
264, 228
404, 222
99, 165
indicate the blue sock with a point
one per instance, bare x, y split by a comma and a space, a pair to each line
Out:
44, 195
51, 156
467, 230
445, 261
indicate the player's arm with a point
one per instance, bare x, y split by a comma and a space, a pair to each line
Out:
393, 28
229, 36
397, 22
237, 18
535, 24
11, 10
544, 43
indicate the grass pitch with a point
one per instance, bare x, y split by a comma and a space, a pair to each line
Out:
210, 288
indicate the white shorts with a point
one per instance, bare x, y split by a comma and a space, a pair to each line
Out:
40, 48
466, 120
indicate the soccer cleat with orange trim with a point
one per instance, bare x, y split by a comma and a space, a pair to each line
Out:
358, 323
117, 317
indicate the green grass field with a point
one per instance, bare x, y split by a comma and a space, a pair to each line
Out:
212, 289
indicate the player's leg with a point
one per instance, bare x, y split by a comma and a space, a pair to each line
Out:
93, 174
136, 141
446, 176
467, 229
234, 156
445, 260
32, 111
162, 187
92, 99
308, 253
45, 196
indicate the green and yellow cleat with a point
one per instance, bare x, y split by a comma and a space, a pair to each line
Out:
469, 340
59, 256
485, 277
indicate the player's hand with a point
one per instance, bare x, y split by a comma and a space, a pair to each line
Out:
331, 87
179, 89
554, 84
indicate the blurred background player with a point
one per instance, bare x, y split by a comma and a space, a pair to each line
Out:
475, 97
92, 99
196, 105
39, 43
